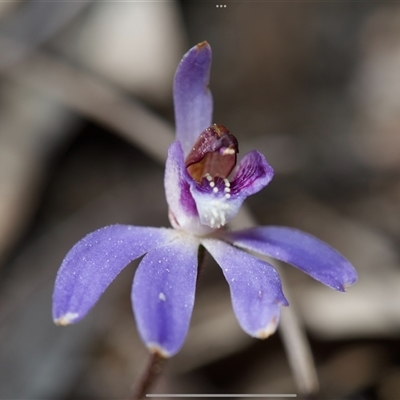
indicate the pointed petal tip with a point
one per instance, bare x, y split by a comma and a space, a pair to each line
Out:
284, 302
203, 45
346, 285
269, 329
155, 348
343, 284
66, 319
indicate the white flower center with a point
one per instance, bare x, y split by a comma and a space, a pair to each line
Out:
213, 207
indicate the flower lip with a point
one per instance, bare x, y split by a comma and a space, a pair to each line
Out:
213, 154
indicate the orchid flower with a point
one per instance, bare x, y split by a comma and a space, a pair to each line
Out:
204, 192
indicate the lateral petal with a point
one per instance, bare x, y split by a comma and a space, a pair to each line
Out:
255, 287
163, 294
94, 262
252, 175
300, 249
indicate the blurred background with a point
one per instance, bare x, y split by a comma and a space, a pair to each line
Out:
86, 115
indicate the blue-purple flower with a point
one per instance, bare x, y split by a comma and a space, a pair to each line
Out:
203, 195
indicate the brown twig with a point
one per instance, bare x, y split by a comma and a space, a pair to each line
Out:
97, 100
149, 376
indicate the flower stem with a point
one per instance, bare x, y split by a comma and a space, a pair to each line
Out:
202, 260
150, 376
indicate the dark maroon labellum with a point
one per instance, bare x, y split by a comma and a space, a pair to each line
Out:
213, 153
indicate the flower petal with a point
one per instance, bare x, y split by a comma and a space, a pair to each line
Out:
192, 98
220, 202
163, 294
255, 286
252, 175
93, 263
183, 210
300, 249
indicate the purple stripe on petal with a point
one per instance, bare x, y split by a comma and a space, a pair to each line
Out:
252, 175
300, 249
93, 263
219, 203
192, 98
163, 294
255, 286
